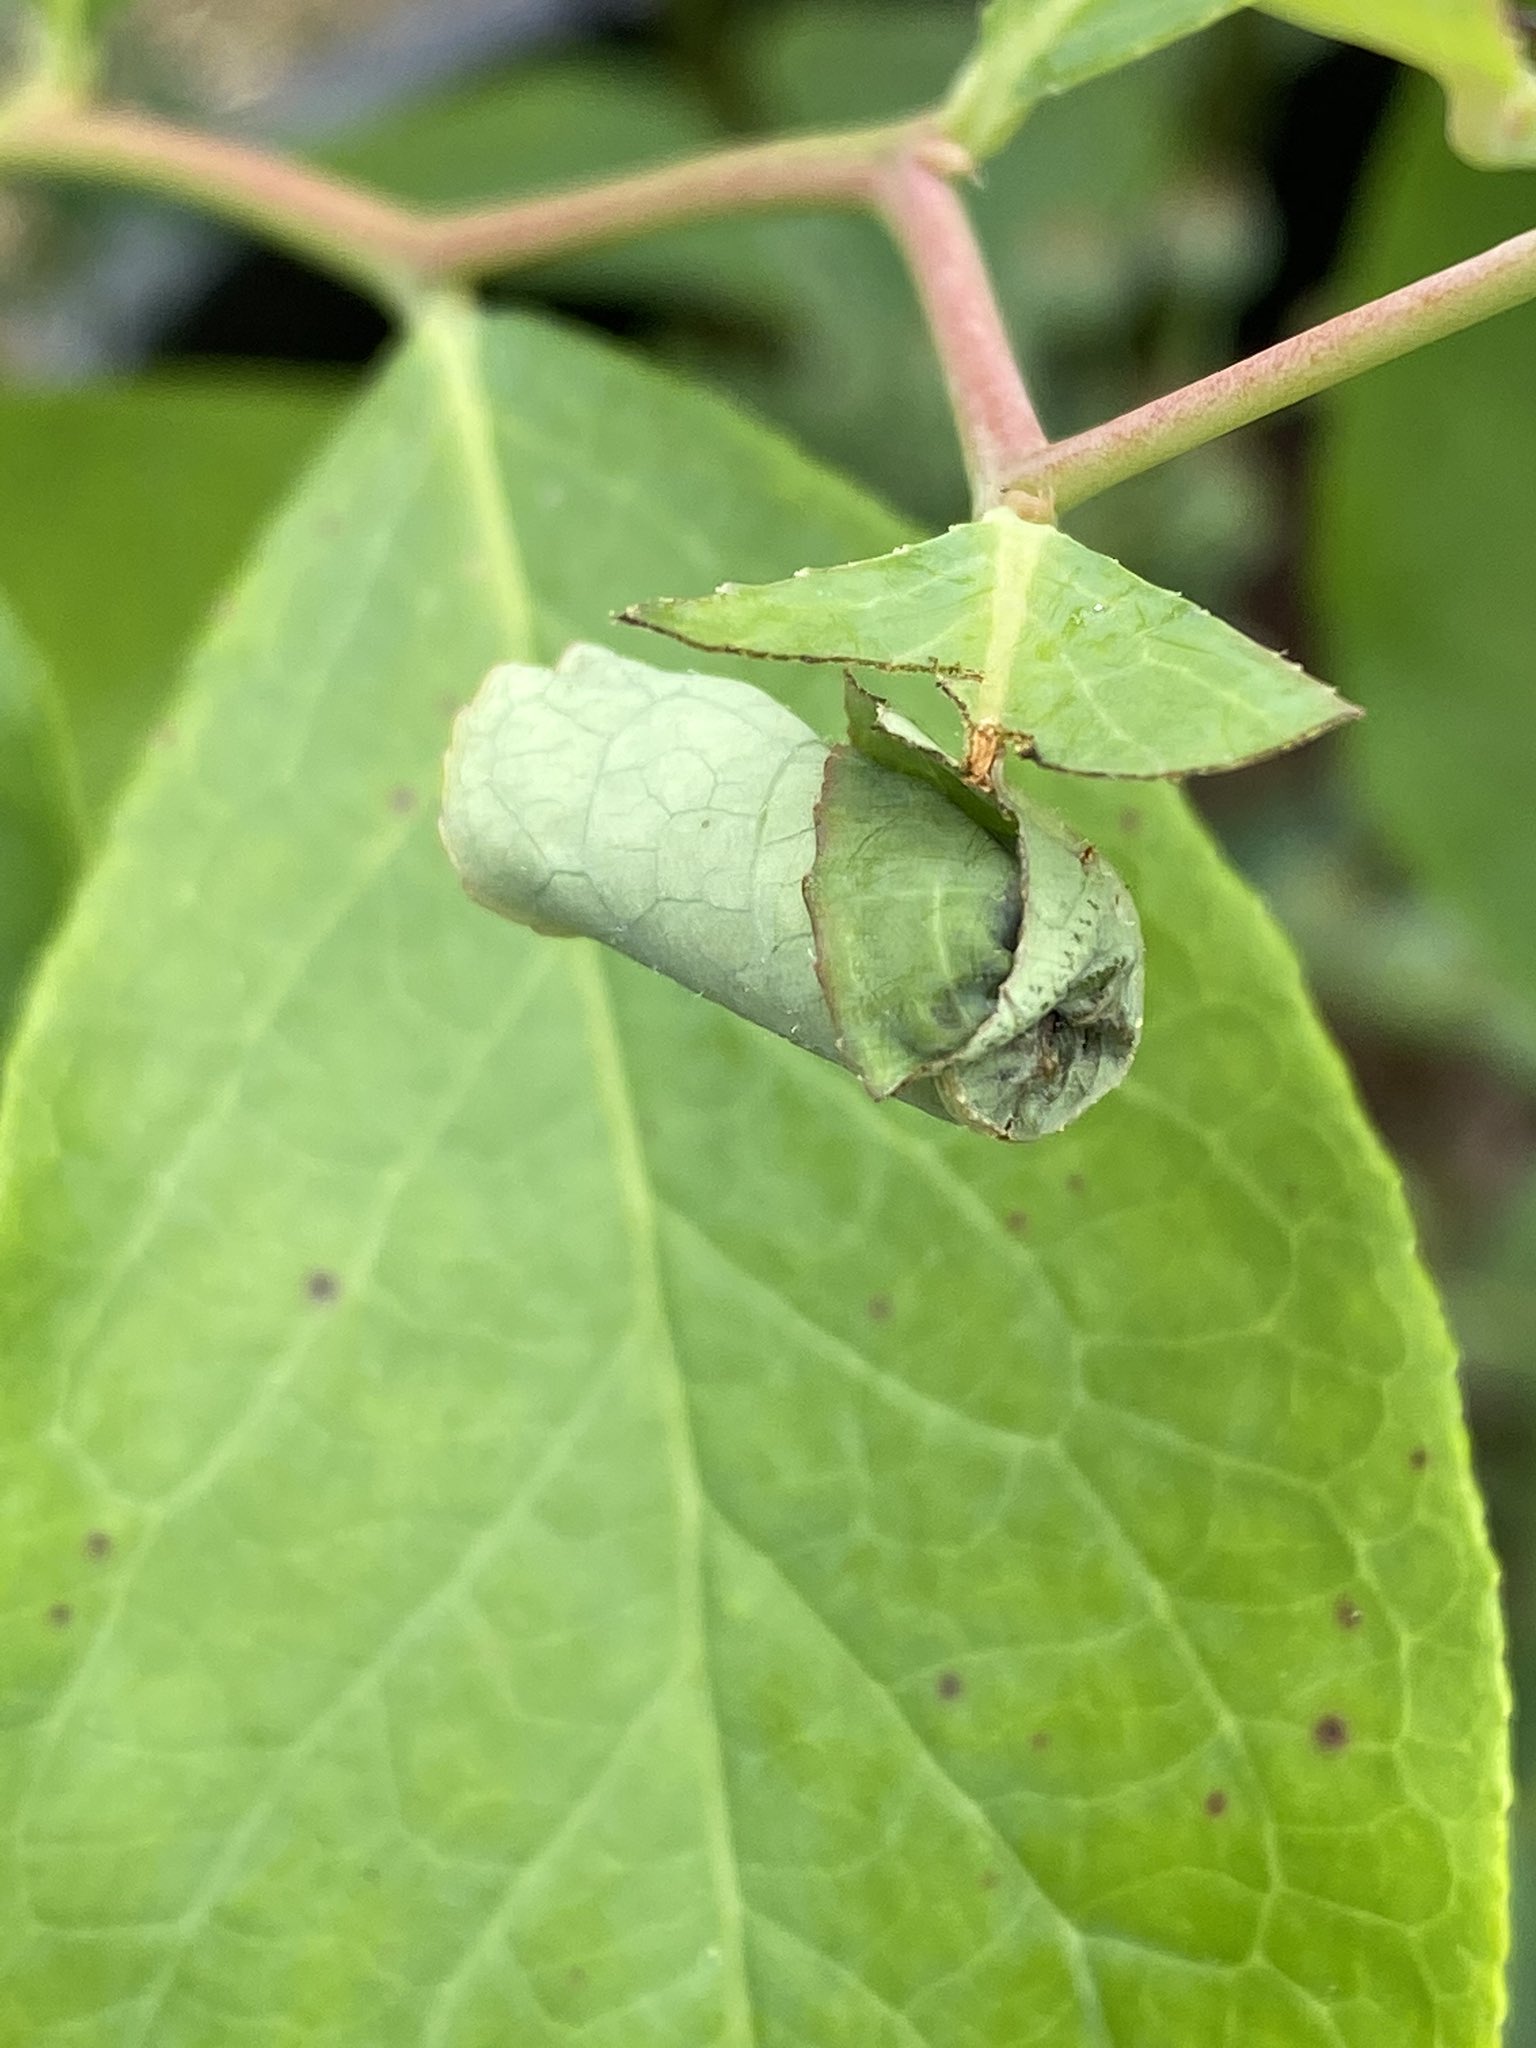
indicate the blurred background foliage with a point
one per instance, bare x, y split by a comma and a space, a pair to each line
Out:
163, 383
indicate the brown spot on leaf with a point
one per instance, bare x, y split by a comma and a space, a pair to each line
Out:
402, 801
1041, 1739
1418, 1457
576, 1977
878, 1308
61, 1614
1075, 1183
1346, 1613
321, 1285
1017, 1222
97, 1543
1331, 1732
990, 1880
949, 1685
983, 747
1130, 821
1216, 1803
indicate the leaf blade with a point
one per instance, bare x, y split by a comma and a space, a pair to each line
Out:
385, 1173
1060, 650
1029, 50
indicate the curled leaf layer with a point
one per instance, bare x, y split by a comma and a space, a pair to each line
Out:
956, 947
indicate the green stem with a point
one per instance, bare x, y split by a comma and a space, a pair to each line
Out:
1300, 368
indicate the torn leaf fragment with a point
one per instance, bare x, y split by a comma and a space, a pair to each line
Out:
958, 948
1068, 656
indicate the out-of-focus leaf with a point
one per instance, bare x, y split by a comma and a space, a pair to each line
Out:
1060, 651
1521, 2030
1031, 49
40, 822
533, 1511
1383, 956
1422, 563
1472, 46
69, 30
544, 124
123, 510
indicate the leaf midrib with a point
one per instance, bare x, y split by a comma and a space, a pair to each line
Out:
451, 339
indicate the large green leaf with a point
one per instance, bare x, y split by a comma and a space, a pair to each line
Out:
1031, 49
1422, 559
123, 510
533, 1511
40, 821
1039, 640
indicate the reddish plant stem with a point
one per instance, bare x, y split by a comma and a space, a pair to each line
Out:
899, 171
999, 430
1309, 363
386, 245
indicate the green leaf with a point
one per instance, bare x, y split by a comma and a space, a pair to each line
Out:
147, 494
1427, 508
1069, 657
1031, 49
40, 823
972, 953
533, 1510
1472, 46
563, 121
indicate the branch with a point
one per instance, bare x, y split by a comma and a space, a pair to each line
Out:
390, 249
998, 428
1434, 307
